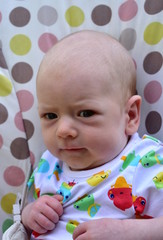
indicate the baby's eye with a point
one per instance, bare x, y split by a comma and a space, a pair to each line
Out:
50, 116
86, 113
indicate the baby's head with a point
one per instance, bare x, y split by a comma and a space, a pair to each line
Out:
86, 88
97, 54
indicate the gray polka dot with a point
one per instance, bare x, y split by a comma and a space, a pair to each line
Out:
128, 38
47, 15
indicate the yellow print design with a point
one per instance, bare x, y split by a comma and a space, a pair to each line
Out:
97, 178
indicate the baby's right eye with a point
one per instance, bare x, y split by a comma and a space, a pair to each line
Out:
86, 113
50, 116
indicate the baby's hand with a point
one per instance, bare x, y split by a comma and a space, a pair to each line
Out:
43, 214
98, 229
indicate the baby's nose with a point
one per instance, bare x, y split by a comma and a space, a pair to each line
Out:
66, 129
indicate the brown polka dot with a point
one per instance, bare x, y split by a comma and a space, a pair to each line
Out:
32, 158
3, 113
3, 63
19, 17
153, 122
153, 62
14, 176
101, 15
22, 72
19, 148
153, 7
29, 128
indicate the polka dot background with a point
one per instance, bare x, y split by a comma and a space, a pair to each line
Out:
28, 30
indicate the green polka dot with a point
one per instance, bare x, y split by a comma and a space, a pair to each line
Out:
20, 44
74, 16
5, 86
7, 202
6, 224
153, 33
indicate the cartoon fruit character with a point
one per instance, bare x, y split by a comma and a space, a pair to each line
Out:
158, 180
138, 216
121, 194
139, 204
56, 171
98, 178
36, 193
86, 203
65, 191
43, 167
71, 184
35, 234
71, 225
131, 159
150, 159
151, 138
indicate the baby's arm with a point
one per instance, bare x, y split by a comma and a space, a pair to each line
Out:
141, 229
42, 214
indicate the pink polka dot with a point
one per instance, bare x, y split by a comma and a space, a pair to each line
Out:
14, 176
25, 99
1, 141
128, 10
46, 41
19, 122
152, 91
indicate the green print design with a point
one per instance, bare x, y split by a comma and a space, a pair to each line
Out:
131, 159
158, 180
151, 138
87, 203
71, 225
150, 159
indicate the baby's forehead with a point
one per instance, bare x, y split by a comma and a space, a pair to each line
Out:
83, 43
82, 50
89, 51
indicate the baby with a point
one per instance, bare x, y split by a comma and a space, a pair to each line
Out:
96, 167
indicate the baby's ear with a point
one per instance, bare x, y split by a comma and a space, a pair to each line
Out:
133, 115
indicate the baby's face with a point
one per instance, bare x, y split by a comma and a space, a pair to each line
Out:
81, 123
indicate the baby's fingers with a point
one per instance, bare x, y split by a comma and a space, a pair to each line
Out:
55, 203
58, 197
50, 213
43, 224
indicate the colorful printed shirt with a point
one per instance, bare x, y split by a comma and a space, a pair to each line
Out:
130, 186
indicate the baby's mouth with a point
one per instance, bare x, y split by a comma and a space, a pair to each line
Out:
72, 149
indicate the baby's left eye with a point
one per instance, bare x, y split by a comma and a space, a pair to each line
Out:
86, 113
50, 116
